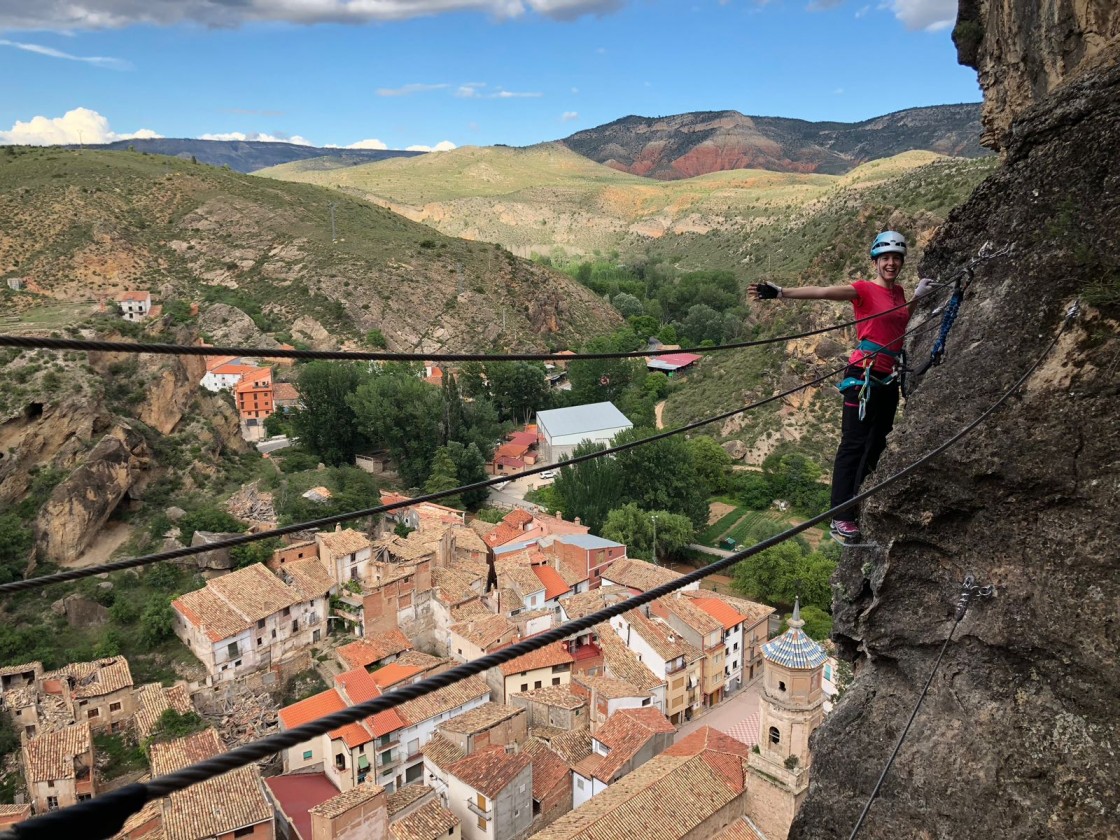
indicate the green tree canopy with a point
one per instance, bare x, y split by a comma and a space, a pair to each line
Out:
637, 528
589, 489
661, 476
400, 412
326, 423
712, 463
208, 519
444, 476
519, 389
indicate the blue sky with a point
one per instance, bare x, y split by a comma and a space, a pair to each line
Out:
421, 73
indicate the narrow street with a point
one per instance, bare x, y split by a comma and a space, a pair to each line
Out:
738, 717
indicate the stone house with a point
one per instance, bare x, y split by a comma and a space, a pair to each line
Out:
625, 742
607, 695
58, 767
491, 724
552, 784
671, 659
491, 792
550, 665
747, 626
99, 693
553, 706
470, 639
250, 620
135, 306
346, 554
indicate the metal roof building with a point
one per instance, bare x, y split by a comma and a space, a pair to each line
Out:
561, 430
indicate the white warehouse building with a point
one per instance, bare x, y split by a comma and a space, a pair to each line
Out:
561, 430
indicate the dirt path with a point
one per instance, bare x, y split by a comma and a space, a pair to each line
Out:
111, 537
658, 410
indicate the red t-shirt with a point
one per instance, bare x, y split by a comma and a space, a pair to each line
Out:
886, 331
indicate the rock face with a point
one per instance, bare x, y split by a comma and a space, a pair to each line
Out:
1024, 51
79, 506
1017, 737
686, 145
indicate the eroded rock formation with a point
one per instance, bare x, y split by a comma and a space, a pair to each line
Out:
1018, 735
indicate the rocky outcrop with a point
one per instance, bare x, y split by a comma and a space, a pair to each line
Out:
1017, 737
45, 433
1024, 52
228, 326
80, 505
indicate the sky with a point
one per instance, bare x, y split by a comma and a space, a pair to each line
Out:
439, 74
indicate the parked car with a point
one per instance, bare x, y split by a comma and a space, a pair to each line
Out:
549, 473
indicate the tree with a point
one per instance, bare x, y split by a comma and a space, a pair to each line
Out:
397, 410
470, 468
711, 461
327, 423
627, 305
173, 724
589, 489
519, 389
254, 552
702, 323
157, 623
752, 489
636, 528
15, 545
818, 623
208, 519
661, 476
794, 477
762, 577
444, 476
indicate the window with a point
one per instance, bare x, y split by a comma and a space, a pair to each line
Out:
295, 626
556, 681
274, 632
414, 773
414, 746
287, 611
232, 650
52, 803
579, 783
481, 823
114, 707
775, 735
781, 686
340, 761
536, 684
307, 755
260, 624
260, 641
244, 832
315, 636
237, 664
92, 713
524, 686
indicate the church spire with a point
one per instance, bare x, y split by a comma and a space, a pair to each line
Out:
795, 620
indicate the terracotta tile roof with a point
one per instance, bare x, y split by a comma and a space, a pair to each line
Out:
442, 752
571, 570
521, 580
50, 757
572, 746
511, 451
395, 673
309, 577
234, 602
486, 631
691, 615
754, 612
346, 541
169, 756
352, 734
217, 361
230, 369
258, 381
468, 539
554, 695
638, 574
549, 769
323, 703
424, 661
94, 679
480, 719
664, 799
609, 688
152, 700
366, 652
415, 547
665, 641
721, 611
454, 585
152, 810
444, 700
545, 657
741, 829
527, 438
518, 517
428, 822
285, 391
137, 296
725, 755
490, 771
469, 610
357, 686
585, 603
501, 535
336, 806
625, 733
621, 662
400, 799
10, 670
553, 581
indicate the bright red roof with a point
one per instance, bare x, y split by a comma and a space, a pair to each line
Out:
393, 674
323, 703
358, 685
554, 585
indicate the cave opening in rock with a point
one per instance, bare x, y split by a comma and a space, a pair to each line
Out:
33, 411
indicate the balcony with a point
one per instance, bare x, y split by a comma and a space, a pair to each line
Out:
478, 812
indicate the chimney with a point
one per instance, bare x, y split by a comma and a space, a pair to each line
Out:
575, 519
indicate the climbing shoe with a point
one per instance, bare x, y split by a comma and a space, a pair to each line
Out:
845, 531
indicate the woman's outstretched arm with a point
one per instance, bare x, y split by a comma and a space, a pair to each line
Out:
763, 291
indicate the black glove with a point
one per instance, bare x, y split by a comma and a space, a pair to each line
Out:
768, 291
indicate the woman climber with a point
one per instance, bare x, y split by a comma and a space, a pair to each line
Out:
870, 386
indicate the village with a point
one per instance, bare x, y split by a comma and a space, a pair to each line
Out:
691, 714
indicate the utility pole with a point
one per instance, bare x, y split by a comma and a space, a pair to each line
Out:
334, 235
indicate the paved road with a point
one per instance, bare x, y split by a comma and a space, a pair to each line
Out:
737, 717
266, 446
513, 494
707, 549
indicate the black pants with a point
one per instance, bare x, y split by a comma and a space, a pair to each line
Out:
861, 441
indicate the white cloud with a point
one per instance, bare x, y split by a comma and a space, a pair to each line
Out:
575, 91
443, 146
112, 14
372, 143
80, 125
257, 137
862, 11
568, 116
822, 5
928, 15
473, 90
509, 94
408, 90
51, 52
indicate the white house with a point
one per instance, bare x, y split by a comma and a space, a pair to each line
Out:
561, 430
135, 306
249, 619
226, 374
346, 554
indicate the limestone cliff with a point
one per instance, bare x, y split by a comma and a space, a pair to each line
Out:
1018, 735
1024, 51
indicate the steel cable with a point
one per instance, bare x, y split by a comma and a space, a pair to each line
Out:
106, 814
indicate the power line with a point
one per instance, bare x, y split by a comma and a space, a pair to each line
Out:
243, 539
106, 814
